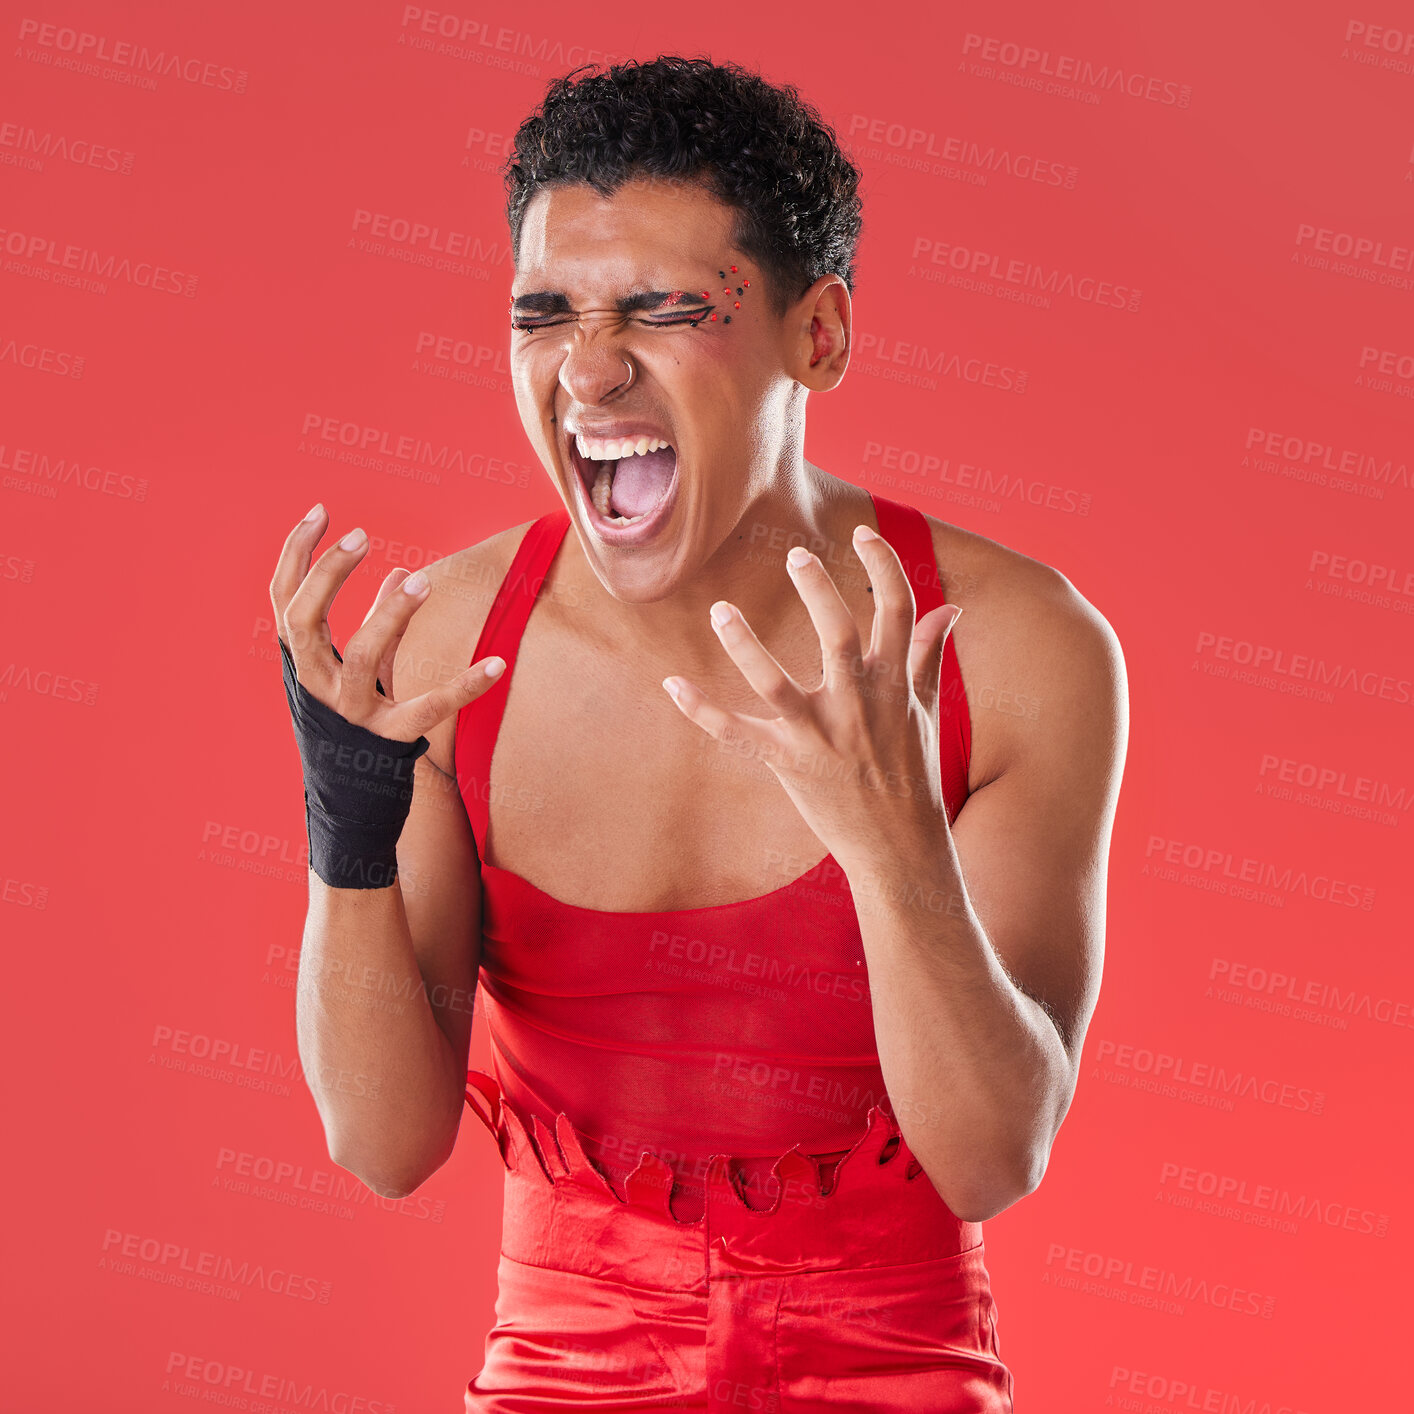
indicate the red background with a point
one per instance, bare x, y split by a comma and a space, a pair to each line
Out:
1217, 457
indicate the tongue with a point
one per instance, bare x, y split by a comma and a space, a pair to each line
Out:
641, 482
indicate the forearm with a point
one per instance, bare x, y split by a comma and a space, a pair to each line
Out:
384, 1077
974, 1068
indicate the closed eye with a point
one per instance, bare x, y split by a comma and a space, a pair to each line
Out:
675, 321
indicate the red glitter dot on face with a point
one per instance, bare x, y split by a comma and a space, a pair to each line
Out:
714, 316
705, 295
733, 269
746, 282
736, 304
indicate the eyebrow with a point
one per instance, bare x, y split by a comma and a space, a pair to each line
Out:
557, 302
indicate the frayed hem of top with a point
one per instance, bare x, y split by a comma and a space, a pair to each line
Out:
560, 1157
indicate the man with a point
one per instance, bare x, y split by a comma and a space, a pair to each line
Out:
684, 240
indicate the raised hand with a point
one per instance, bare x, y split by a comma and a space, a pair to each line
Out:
359, 687
859, 754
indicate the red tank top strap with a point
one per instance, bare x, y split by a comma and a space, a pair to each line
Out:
906, 530
479, 722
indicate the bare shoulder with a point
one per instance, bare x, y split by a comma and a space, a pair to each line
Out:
1038, 659
442, 635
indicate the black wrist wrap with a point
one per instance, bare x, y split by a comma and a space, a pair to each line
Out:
357, 789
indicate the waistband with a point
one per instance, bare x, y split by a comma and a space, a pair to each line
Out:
872, 1208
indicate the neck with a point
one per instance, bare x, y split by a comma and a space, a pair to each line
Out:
748, 569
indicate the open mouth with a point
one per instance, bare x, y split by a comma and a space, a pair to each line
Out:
627, 479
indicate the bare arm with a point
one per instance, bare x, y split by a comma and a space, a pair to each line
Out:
983, 941
387, 976
387, 980
985, 978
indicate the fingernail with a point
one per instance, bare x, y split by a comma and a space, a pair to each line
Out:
721, 614
415, 583
863, 532
316, 511
797, 556
672, 685
354, 540
495, 667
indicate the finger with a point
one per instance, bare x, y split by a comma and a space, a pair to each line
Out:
372, 650
834, 624
895, 608
925, 658
387, 662
771, 683
419, 715
293, 564
729, 728
307, 613
390, 583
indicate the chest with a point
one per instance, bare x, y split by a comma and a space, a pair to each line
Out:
604, 795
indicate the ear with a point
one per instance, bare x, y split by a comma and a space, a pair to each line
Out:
820, 324
925, 654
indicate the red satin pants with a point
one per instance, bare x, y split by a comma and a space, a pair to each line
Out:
867, 1295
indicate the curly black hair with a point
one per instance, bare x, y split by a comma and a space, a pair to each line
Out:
757, 147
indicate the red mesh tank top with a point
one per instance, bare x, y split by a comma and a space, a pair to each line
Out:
664, 1038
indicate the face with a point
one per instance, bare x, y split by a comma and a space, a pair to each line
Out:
635, 323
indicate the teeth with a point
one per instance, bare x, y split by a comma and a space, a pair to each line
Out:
600, 495
605, 449
613, 450
599, 498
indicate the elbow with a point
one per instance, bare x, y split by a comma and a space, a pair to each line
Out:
393, 1181
985, 1199
392, 1185
394, 1166
983, 1208
385, 1183
394, 1192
